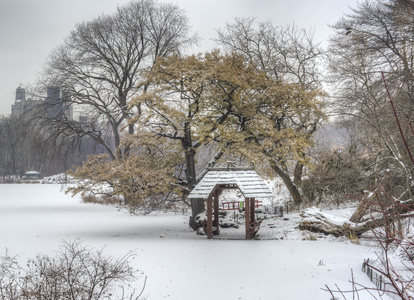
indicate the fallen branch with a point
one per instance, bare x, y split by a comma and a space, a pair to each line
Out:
321, 225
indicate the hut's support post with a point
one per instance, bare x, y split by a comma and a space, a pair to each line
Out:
249, 213
216, 213
210, 217
247, 217
252, 210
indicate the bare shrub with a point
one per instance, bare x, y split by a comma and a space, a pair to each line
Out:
76, 272
392, 230
10, 180
386, 220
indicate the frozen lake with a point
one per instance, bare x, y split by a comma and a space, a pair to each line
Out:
178, 264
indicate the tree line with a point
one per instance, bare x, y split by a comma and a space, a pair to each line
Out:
159, 116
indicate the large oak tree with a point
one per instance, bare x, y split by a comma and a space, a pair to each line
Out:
288, 54
221, 98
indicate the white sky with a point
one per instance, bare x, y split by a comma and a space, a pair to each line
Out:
30, 29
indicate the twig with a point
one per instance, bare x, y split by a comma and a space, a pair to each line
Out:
397, 119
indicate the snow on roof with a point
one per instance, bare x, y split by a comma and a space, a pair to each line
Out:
31, 172
248, 181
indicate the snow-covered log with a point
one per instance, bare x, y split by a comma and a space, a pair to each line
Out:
319, 222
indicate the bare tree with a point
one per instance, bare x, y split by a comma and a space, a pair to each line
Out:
12, 134
98, 68
379, 34
376, 39
287, 54
24, 147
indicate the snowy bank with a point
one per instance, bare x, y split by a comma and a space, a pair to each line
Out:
178, 263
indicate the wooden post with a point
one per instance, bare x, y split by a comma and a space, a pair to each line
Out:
252, 209
210, 217
216, 211
247, 217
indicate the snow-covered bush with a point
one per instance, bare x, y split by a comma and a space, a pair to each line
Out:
61, 178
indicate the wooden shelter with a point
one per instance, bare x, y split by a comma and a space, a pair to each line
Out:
32, 175
250, 184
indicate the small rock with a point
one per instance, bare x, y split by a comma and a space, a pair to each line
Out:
200, 232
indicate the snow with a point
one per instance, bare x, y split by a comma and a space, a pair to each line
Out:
330, 216
32, 173
283, 263
61, 178
248, 181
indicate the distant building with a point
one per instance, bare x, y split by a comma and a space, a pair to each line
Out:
67, 109
20, 94
55, 104
21, 104
32, 175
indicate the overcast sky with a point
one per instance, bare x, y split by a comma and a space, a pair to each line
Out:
30, 29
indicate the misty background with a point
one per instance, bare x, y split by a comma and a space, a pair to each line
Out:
31, 29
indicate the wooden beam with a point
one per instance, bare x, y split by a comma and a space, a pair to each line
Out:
216, 212
232, 169
247, 217
252, 209
228, 186
210, 217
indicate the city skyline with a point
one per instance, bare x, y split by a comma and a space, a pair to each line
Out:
53, 104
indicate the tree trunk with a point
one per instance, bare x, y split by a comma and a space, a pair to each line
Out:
189, 152
361, 209
318, 223
297, 174
212, 162
324, 226
293, 190
197, 205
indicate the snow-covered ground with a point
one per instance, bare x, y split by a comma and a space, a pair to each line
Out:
283, 263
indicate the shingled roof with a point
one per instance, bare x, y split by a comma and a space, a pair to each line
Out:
248, 181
